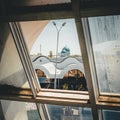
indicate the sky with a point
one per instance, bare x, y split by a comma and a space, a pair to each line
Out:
48, 38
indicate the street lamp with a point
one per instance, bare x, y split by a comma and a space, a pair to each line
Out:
58, 31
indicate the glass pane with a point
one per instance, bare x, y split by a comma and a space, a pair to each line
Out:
32, 111
55, 53
111, 115
69, 113
105, 33
14, 110
11, 69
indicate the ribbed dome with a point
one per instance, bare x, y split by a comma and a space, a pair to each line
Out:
65, 50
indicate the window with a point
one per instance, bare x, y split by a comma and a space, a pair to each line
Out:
97, 102
55, 51
106, 47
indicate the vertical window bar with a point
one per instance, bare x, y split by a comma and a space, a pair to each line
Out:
39, 112
86, 31
44, 107
100, 113
43, 112
76, 10
87, 69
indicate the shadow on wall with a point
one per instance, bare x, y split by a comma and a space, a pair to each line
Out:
18, 79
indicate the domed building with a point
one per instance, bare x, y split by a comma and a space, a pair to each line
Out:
65, 51
69, 71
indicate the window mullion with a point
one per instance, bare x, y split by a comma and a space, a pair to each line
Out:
87, 69
76, 11
43, 112
90, 57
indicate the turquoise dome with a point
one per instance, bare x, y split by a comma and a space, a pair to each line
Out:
65, 51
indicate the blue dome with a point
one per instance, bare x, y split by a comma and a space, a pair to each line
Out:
65, 50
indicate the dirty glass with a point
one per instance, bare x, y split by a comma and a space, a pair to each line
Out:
105, 34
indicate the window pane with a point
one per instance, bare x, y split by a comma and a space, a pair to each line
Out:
14, 110
32, 111
57, 112
55, 53
111, 115
105, 33
11, 70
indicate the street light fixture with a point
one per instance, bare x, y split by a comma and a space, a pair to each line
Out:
58, 31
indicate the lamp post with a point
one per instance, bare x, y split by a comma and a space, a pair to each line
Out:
58, 31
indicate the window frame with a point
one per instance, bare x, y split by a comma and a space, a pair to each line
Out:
96, 101
27, 64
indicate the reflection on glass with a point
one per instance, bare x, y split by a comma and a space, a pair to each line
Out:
32, 111
111, 115
14, 110
55, 53
69, 113
11, 70
105, 33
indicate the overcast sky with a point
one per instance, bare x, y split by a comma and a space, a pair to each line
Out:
48, 38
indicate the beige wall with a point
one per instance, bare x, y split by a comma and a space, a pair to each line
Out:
31, 31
